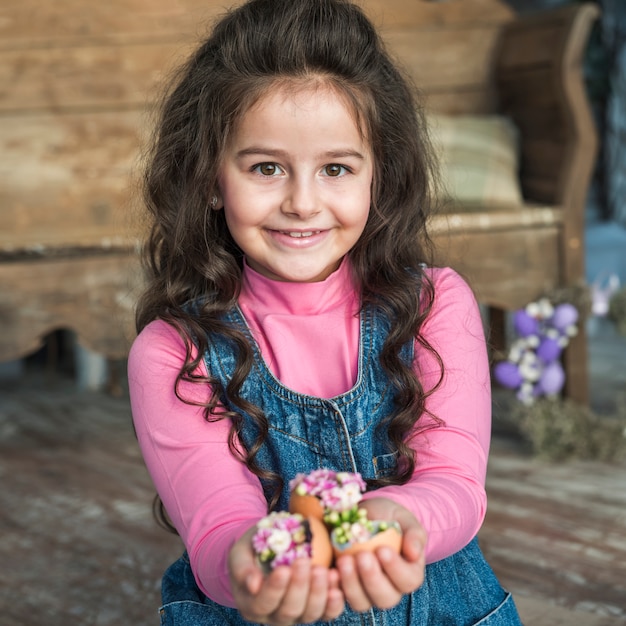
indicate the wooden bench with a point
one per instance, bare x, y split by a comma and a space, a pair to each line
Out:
79, 81
478, 58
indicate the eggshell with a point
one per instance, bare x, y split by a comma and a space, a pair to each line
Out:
321, 550
307, 506
391, 537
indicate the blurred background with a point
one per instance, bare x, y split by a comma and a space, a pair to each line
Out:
78, 84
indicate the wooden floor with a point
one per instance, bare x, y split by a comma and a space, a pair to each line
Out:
557, 534
78, 545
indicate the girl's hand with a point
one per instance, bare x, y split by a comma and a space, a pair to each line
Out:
300, 593
381, 578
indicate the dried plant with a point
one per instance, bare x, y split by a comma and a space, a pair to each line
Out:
560, 430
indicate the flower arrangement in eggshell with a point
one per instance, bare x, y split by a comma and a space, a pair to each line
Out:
533, 366
334, 497
283, 537
322, 490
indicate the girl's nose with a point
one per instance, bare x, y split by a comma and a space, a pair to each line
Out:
302, 199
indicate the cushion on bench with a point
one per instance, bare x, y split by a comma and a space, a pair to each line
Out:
478, 160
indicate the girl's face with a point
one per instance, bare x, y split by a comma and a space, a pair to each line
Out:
295, 184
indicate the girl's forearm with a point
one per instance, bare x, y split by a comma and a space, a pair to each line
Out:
446, 492
209, 495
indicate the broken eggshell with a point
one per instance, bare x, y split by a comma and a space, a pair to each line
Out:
306, 505
381, 533
321, 549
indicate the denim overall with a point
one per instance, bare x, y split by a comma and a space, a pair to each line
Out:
340, 433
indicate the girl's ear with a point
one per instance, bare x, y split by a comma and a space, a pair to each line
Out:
216, 202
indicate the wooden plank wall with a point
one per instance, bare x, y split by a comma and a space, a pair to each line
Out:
77, 78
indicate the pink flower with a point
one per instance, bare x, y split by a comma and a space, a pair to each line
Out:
342, 497
281, 537
260, 540
337, 491
360, 532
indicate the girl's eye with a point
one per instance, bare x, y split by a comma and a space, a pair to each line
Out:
334, 170
267, 169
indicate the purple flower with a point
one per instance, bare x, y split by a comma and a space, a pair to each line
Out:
549, 349
533, 367
552, 379
525, 324
508, 374
565, 315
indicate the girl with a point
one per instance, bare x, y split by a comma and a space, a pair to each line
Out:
290, 324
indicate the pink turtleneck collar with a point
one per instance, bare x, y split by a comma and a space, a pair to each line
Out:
307, 332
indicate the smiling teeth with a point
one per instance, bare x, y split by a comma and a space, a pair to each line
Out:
308, 233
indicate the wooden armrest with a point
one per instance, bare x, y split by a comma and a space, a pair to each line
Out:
479, 219
539, 76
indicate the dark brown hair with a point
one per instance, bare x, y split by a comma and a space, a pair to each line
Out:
190, 255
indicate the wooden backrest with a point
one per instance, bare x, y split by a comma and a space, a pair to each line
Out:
541, 85
540, 79
448, 48
79, 76
67, 54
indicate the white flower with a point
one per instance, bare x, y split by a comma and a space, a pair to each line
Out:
529, 367
279, 541
532, 341
525, 394
532, 309
552, 333
546, 310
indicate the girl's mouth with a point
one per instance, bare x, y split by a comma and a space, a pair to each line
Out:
298, 239
299, 234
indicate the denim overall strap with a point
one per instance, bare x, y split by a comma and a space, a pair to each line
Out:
345, 433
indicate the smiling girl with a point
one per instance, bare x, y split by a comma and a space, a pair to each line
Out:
295, 183
290, 323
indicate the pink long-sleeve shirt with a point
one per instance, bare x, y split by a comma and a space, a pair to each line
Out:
213, 499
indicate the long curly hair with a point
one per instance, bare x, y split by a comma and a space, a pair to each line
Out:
190, 255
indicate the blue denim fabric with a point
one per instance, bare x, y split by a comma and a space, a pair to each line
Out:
341, 433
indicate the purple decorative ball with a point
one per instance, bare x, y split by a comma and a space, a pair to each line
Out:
564, 316
548, 350
552, 379
525, 324
507, 374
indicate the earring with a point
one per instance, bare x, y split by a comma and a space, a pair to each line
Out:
213, 202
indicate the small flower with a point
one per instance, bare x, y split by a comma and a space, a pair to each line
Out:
337, 491
281, 538
345, 519
532, 367
532, 341
279, 541
342, 497
360, 530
